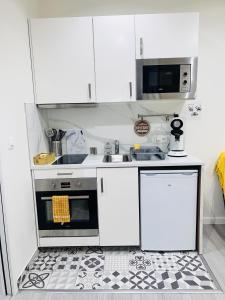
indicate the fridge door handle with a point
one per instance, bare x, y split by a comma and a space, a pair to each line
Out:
156, 174
150, 174
188, 173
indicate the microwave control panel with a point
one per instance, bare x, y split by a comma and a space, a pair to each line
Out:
185, 78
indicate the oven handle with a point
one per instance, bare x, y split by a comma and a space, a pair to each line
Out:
70, 198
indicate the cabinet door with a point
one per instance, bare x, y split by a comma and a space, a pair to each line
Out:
166, 35
118, 206
63, 60
114, 43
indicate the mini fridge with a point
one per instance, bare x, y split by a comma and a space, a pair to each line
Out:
168, 201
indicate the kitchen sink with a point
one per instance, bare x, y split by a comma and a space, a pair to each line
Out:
148, 153
117, 158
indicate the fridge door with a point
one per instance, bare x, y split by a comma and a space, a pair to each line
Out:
168, 210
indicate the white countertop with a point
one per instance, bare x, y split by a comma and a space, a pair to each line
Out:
96, 161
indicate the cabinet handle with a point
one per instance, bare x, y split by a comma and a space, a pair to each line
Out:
141, 46
68, 173
130, 86
89, 90
102, 188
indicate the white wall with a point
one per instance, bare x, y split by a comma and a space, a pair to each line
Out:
204, 136
15, 89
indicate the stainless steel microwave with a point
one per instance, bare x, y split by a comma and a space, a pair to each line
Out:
166, 78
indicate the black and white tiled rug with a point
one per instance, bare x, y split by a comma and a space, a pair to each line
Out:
116, 268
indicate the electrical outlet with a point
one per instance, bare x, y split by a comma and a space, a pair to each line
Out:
160, 139
194, 109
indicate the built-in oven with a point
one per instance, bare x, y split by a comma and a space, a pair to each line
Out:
82, 196
166, 78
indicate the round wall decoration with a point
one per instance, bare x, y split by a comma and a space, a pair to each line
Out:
141, 127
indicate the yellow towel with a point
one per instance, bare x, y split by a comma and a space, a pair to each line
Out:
61, 209
220, 170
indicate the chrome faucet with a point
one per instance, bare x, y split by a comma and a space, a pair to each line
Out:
117, 147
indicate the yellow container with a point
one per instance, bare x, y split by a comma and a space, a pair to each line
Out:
137, 146
44, 158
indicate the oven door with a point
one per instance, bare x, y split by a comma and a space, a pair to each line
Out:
83, 214
169, 78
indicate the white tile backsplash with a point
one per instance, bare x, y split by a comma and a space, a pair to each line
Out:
107, 122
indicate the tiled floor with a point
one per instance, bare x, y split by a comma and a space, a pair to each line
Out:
115, 268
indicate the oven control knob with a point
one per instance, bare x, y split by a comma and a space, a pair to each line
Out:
78, 183
184, 82
185, 74
53, 185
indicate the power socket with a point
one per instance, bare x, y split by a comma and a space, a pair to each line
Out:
194, 109
160, 139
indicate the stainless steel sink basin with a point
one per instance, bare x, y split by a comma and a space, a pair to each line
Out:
148, 153
117, 158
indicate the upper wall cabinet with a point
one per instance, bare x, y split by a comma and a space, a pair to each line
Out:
114, 43
63, 60
85, 59
166, 35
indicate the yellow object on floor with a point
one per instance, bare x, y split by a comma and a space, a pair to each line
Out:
61, 209
220, 170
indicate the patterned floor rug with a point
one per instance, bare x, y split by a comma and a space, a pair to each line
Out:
116, 268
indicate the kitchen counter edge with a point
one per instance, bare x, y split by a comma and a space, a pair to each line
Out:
96, 161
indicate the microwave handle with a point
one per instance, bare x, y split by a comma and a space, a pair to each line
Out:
141, 46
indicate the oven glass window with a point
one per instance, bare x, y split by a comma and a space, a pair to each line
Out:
161, 79
79, 211
83, 210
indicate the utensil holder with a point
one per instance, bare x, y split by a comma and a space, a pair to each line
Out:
57, 148
93, 150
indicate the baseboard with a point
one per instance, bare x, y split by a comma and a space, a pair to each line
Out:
214, 220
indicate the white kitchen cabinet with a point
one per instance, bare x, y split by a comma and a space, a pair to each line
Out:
118, 206
63, 60
166, 35
114, 43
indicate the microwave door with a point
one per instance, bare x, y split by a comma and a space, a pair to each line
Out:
161, 79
